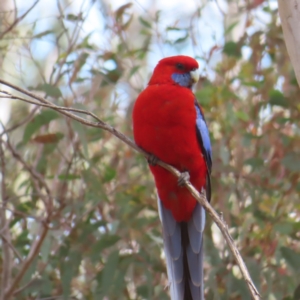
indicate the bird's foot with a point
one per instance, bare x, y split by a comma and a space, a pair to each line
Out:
203, 192
152, 160
183, 178
221, 215
167, 286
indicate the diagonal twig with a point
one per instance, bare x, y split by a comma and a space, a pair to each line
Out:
34, 251
18, 20
5, 233
19, 124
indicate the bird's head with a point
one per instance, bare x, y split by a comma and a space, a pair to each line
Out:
181, 70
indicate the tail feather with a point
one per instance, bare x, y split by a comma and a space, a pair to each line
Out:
184, 253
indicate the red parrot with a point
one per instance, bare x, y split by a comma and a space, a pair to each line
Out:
169, 124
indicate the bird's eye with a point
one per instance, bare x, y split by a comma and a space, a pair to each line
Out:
180, 66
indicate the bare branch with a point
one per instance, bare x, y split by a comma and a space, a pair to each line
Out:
199, 197
12, 248
35, 248
24, 215
19, 124
18, 20
35, 175
5, 233
50, 105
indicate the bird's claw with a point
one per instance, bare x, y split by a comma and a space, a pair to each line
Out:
167, 286
203, 193
152, 160
183, 178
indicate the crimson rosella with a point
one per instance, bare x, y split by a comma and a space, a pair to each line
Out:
169, 124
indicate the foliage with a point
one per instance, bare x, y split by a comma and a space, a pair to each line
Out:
90, 200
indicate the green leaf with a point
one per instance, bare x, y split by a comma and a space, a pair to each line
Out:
109, 272
121, 11
255, 270
242, 115
95, 189
42, 163
292, 258
133, 70
107, 240
30, 271
69, 270
292, 162
230, 27
72, 17
49, 89
41, 34
82, 133
173, 29
109, 174
224, 155
215, 259
232, 49
277, 98
44, 118
182, 39
239, 286
256, 84
144, 22
255, 162
67, 177
46, 248
285, 228
205, 95
94, 134
144, 291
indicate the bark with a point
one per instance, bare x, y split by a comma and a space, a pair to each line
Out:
289, 12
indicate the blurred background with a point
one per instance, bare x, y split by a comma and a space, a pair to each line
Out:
78, 213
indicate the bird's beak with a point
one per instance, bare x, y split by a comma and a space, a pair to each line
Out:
195, 75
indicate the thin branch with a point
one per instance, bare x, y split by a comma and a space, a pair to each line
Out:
199, 197
35, 248
11, 246
27, 285
22, 214
50, 105
18, 20
35, 175
19, 124
5, 234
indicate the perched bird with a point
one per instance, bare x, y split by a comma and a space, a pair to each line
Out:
169, 124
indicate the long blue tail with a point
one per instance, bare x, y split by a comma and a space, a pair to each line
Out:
183, 243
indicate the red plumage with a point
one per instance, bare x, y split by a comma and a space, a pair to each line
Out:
164, 119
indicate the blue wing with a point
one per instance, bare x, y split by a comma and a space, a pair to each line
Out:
203, 136
204, 141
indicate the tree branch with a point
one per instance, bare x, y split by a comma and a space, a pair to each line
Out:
18, 20
289, 12
5, 233
35, 248
199, 197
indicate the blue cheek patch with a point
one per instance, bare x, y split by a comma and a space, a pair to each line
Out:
182, 79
